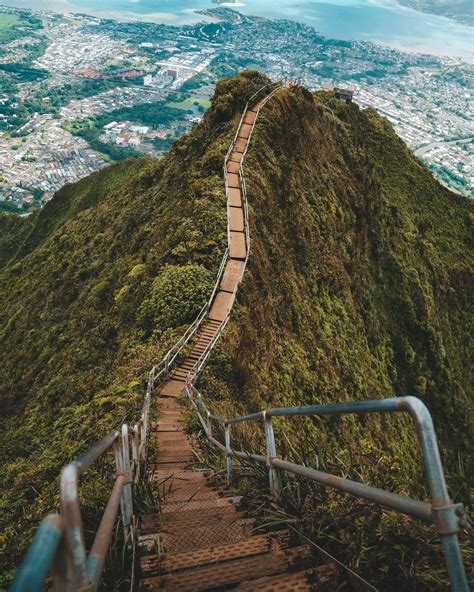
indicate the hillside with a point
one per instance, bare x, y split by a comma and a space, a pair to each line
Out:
358, 287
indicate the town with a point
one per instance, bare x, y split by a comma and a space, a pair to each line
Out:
77, 93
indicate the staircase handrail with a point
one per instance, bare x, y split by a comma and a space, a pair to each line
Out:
447, 517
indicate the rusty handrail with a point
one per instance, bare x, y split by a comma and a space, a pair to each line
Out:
447, 517
58, 544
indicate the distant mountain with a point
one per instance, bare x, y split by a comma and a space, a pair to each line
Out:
459, 10
359, 286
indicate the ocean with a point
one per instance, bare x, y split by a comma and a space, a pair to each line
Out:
381, 21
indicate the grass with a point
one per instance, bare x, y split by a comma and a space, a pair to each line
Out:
189, 104
8, 20
7, 23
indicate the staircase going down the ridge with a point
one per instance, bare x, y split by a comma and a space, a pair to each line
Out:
199, 539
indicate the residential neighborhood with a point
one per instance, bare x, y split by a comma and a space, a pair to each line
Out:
97, 91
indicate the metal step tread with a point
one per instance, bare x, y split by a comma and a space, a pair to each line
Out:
314, 578
231, 572
247, 547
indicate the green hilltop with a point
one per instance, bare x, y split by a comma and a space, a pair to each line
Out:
359, 286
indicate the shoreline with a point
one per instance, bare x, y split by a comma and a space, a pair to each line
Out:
192, 16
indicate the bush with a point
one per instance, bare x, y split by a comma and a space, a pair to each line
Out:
177, 295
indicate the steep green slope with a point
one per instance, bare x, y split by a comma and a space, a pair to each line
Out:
358, 287
104, 280
20, 235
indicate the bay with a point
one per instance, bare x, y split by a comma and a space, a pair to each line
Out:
380, 21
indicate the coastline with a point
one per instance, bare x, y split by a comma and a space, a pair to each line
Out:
449, 38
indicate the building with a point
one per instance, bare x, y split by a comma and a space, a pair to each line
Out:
344, 94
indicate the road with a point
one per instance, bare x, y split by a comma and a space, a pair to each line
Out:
427, 147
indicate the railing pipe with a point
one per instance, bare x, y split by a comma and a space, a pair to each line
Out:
84, 460
228, 452
135, 453
96, 559
127, 489
119, 467
250, 456
218, 444
40, 555
271, 455
405, 505
209, 424
71, 514
252, 417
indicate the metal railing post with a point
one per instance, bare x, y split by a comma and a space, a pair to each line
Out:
209, 428
448, 518
127, 489
71, 514
228, 452
273, 476
143, 437
41, 556
120, 470
135, 454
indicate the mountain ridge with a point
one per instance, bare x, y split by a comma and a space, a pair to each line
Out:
89, 304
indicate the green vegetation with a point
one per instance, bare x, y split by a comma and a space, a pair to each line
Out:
87, 129
8, 23
358, 287
151, 114
15, 26
359, 281
450, 179
87, 307
190, 104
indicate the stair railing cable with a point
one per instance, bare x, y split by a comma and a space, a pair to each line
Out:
58, 545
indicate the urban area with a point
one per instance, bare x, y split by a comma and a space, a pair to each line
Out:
77, 93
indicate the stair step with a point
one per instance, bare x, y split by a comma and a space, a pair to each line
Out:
175, 457
233, 180
178, 374
245, 130
209, 330
213, 533
236, 219
222, 305
236, 157
250, 117
231, 572
173, 388
300, 581
240, 145
212, 502
237, 247
234, 270
252, 546
169, 405
192, 518
233, 167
